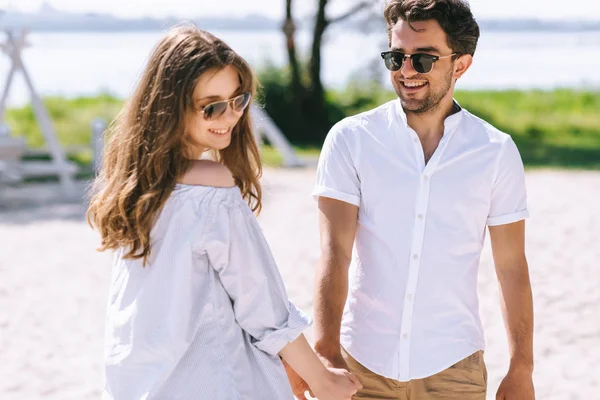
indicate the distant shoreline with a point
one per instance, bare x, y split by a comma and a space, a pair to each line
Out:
49, 19
150, 29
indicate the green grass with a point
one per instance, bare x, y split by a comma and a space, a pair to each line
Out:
72, 119
559, 128
272, 158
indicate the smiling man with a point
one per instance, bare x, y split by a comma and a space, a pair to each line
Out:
405, 193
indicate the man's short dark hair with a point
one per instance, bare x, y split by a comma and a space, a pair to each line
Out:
454, 16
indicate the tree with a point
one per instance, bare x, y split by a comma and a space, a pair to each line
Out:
322, 22
309, 111
289, 30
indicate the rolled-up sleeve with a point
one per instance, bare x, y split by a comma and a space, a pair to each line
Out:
238, 251
337, 176
509, 195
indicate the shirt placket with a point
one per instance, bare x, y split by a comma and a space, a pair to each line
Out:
422, 202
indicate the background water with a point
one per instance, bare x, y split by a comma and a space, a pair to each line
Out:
86, 63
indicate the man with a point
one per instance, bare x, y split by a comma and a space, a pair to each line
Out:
405, 192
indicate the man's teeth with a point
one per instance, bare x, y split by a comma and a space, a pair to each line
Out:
219, 131
414, 84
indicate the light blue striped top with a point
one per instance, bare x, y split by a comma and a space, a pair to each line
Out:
207, 316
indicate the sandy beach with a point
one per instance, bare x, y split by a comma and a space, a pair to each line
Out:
53, 284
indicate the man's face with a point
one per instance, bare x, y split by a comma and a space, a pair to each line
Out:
422, 93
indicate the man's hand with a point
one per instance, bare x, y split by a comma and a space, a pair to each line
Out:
299, 386
517, 385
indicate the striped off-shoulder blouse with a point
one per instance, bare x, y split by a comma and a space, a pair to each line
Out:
207, 315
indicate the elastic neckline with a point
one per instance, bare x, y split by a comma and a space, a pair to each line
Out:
187, 185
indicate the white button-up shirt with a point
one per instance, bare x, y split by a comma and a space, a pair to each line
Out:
412, 308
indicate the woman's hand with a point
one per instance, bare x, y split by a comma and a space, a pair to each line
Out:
336, 384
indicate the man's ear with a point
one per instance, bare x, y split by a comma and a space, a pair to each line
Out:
461, 65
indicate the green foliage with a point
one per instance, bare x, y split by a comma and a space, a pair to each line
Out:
297, 116
361, 96
72, 118
551, 128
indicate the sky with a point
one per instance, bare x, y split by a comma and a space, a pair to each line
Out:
541, 9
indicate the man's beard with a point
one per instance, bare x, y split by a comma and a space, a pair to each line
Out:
431, 101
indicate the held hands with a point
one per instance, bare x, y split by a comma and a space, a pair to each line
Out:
336, 384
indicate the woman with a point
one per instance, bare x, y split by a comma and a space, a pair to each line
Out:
197, 308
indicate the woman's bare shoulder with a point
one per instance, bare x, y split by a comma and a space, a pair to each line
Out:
208, 173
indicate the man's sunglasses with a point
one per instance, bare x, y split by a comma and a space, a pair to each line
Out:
215, 110
422, 63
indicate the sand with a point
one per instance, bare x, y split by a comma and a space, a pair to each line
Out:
53, 284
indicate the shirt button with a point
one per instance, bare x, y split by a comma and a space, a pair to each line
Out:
420, 216
416, 140
425, 177
409, 296
405, 336
415, 256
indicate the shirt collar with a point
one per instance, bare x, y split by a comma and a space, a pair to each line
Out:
450, 123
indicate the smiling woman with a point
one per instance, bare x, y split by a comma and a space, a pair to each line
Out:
197, 306
163, 128
211, 123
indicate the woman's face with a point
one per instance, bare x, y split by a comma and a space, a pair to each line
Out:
213, 133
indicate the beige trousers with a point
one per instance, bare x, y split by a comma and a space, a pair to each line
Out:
465, 380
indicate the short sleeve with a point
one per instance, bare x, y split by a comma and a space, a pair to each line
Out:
509, 195
238, 251
337, 175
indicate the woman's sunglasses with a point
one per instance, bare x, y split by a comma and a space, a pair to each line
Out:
215, 110
422, 63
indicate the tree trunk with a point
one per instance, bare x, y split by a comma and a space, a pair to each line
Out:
317, 92
289, 29
302, 107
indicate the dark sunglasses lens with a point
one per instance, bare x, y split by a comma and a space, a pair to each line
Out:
241, 102
422, 63
393, 61
214, 110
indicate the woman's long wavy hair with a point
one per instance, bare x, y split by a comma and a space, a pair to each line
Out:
146, 148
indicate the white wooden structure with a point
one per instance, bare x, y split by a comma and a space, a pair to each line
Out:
265, 127
11, 151
58, 166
